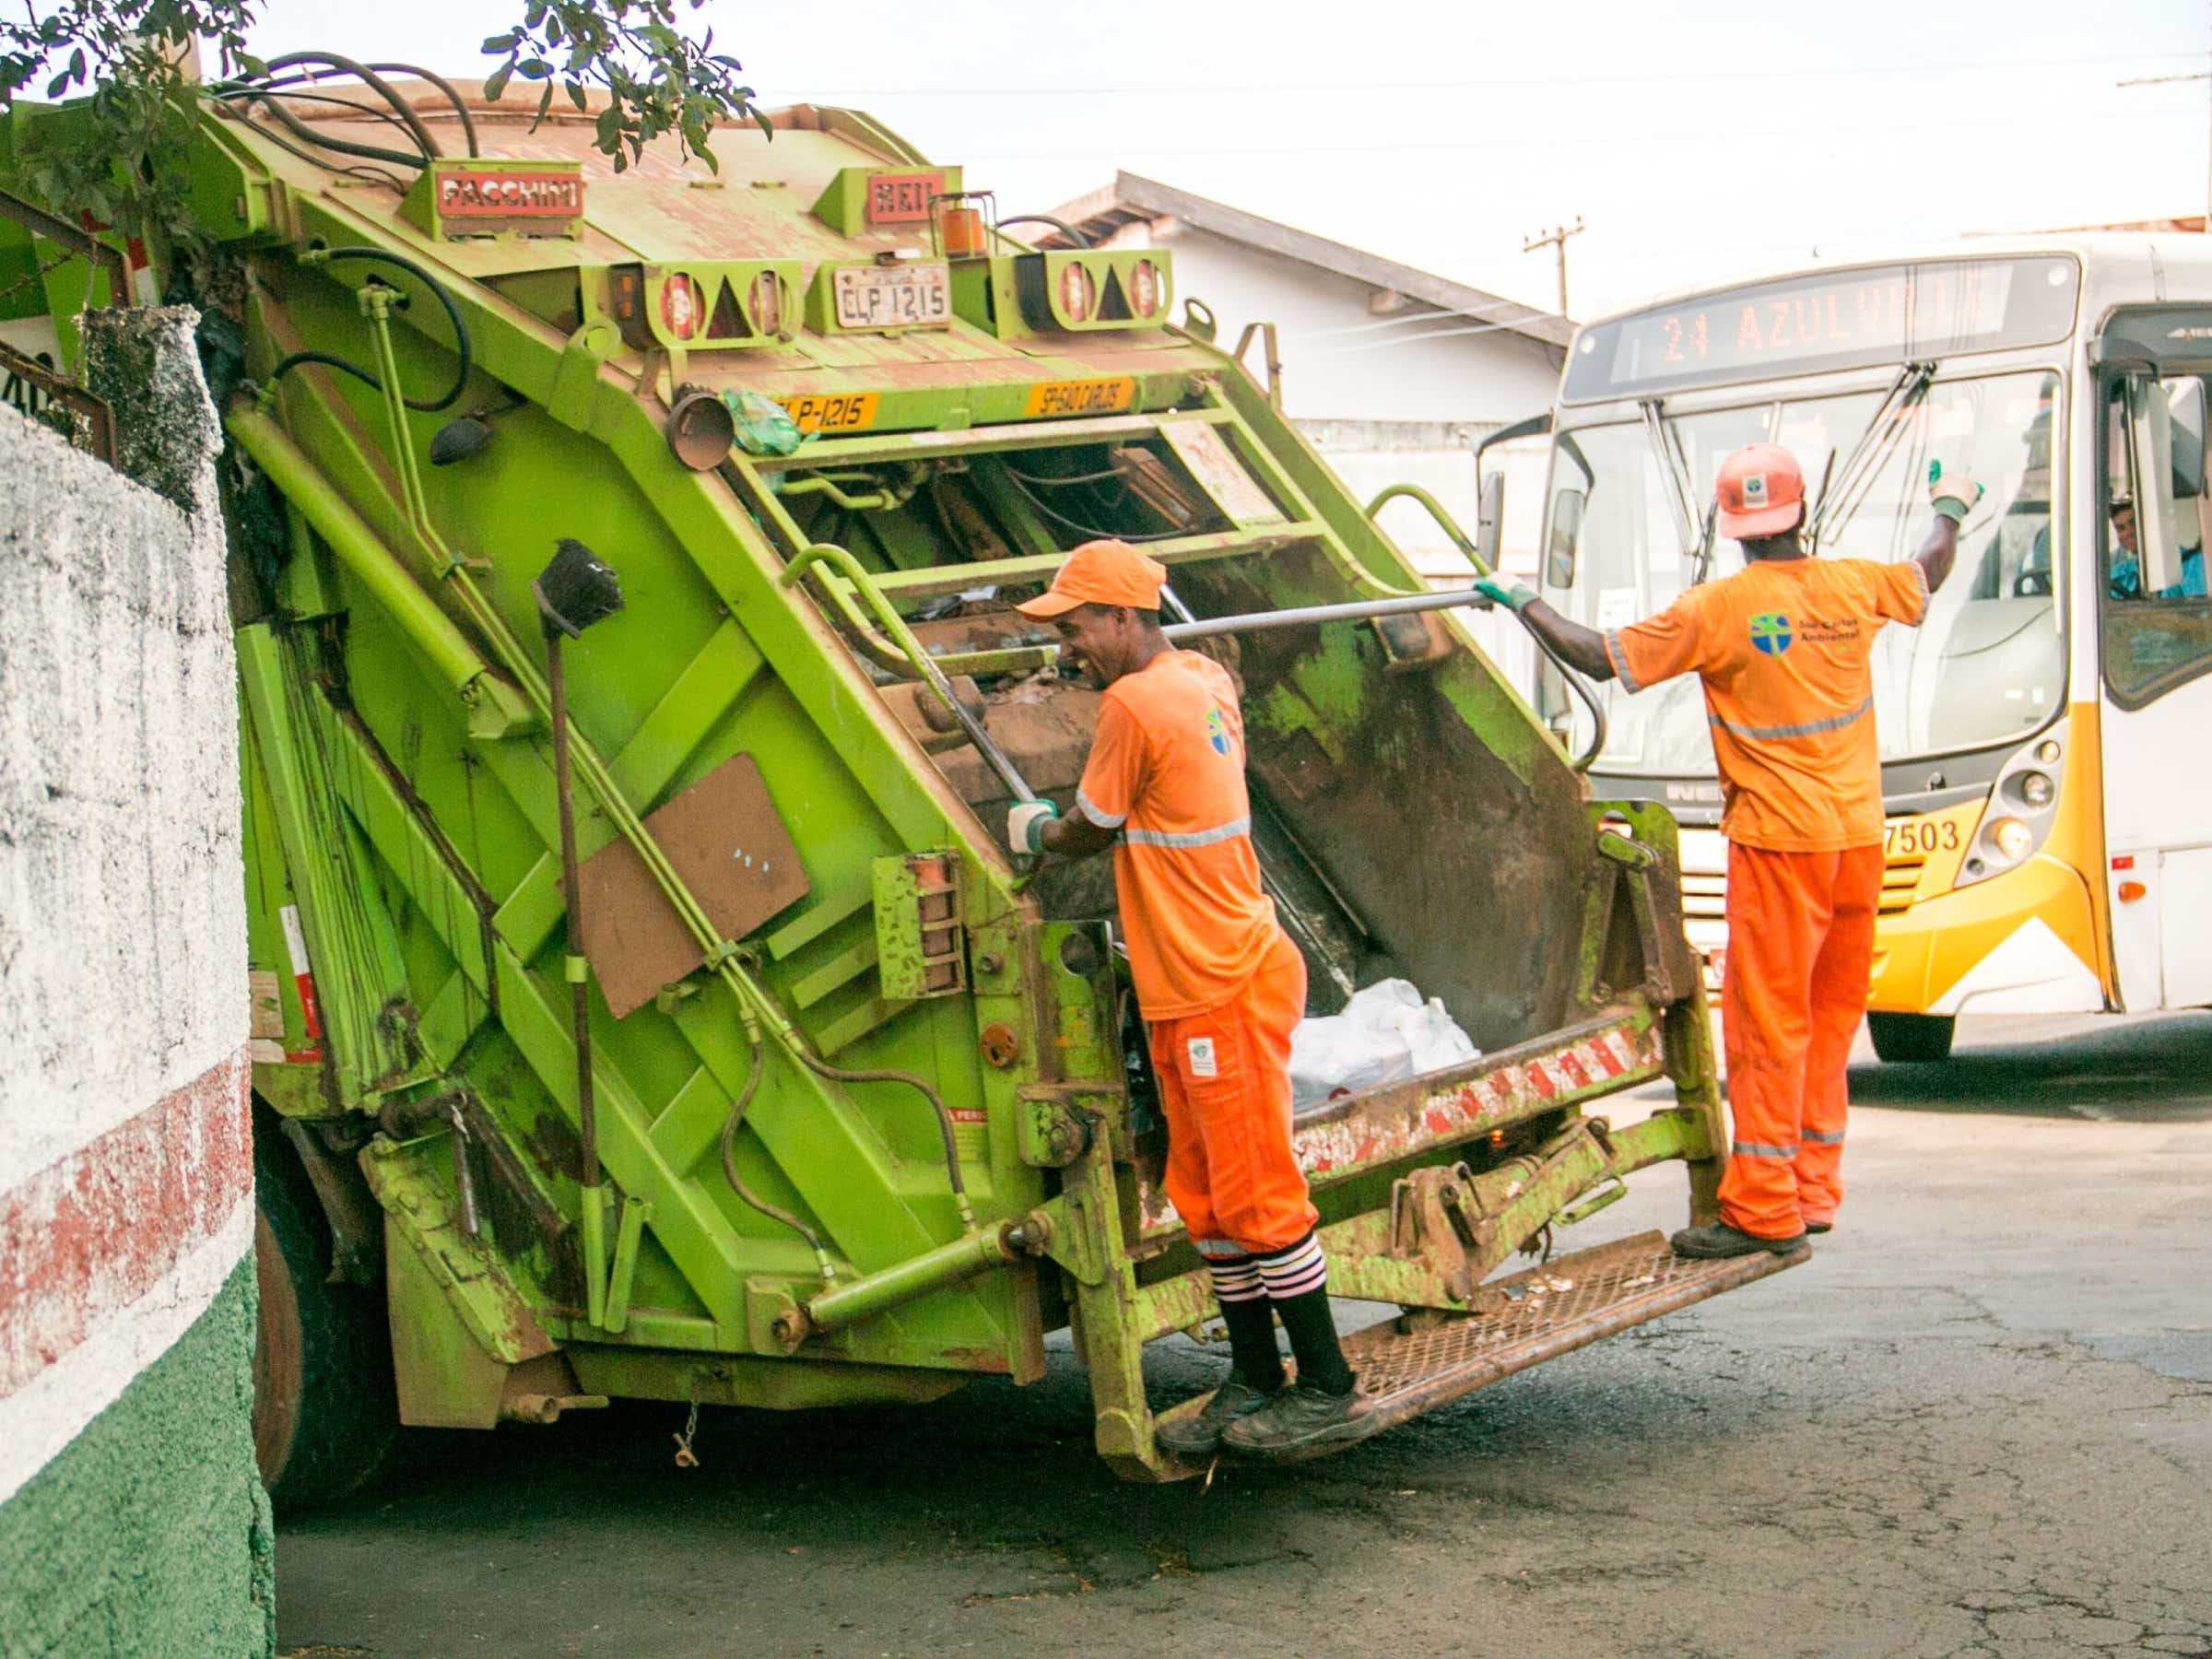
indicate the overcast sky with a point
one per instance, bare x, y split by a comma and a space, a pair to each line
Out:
1724, 138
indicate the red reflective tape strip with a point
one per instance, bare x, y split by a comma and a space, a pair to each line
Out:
1570, 1066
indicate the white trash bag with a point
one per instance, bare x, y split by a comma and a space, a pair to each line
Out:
1386, 1032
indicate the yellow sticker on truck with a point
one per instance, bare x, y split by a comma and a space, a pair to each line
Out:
1108, 397
832, 411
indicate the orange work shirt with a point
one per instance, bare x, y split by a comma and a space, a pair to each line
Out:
1167, 769
1783, 647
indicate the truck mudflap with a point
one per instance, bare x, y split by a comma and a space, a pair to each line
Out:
1414, 1362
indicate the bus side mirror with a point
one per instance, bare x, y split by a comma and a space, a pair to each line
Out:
1566, 538
2150, 474
1490, 520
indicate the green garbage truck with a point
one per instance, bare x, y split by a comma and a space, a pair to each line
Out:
646, 1003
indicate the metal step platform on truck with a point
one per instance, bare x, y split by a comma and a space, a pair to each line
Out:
1416, 1361
631, 695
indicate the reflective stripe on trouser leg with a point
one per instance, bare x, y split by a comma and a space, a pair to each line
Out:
1839, 1001
1225, 1090
1777, 919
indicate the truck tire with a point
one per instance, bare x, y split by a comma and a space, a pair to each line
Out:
323, 1410
1912, 1039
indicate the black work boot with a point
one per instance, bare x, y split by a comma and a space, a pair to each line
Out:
1199, 1435
1301, 1422
1717, 1238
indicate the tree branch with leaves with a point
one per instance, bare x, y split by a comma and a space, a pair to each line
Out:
120, 152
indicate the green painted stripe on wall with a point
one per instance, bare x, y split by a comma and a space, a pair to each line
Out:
149, 1535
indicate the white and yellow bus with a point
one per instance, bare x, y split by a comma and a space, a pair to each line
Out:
2046, 733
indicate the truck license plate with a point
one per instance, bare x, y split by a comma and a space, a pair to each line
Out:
904, 296
1082, 396
831, 411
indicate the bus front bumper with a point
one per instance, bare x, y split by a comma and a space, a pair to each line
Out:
2021, 943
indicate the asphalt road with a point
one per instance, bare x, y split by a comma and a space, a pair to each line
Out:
1978, 1421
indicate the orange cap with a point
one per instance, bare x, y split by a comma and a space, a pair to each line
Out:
1761, 492
1102, 572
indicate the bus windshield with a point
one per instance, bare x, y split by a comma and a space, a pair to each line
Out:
1988, 662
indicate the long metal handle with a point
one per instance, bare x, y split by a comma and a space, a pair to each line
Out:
1313, 615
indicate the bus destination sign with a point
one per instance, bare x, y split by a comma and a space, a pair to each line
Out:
1811, 324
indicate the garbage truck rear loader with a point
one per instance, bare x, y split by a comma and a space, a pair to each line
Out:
646, 1003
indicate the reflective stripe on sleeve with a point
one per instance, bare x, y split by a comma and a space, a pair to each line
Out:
1620, 659
1759, 1149
1806, 729
1192, 838
1104, 820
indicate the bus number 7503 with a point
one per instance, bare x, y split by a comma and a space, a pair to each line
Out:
1916, 838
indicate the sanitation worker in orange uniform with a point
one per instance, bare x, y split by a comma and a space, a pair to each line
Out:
1782, 648
1219, 984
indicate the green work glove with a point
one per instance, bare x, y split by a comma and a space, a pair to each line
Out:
1954, 493
1514, 594
1025, 825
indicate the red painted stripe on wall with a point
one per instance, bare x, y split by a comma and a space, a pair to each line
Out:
91, 1234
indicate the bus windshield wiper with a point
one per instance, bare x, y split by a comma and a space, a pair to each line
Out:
1852, 482
1680, 493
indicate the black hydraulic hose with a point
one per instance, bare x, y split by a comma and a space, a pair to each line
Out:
367, 77
453, 313
838, 1074
228, 90
1060, 225
453, 96
1581, 689
343, 146
245, 120
730, 1126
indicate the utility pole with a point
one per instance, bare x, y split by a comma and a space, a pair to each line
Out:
2164, 80
1556, 237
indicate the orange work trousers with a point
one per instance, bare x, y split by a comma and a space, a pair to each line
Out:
1800, 946
1225, 1089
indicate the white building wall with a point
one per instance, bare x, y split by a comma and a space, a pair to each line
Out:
1341, 360
1399, 397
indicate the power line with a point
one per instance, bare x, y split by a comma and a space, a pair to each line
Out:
1607, 140
1887, 71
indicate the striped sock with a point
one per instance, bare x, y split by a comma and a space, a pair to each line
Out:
1294, 1269
1297, 1281
1253, 1356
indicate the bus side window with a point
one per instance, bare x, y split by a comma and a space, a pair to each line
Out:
2155, 641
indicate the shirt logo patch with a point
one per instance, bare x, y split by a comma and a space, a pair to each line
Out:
1217, 730
1770, 632
1203, 1063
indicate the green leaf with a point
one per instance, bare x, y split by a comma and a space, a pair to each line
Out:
57, 85
544, 105
534, 69
762, 121
496, 82
500, 43
576, 95
609, 127
76, 64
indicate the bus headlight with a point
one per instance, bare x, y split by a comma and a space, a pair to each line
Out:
2023, 804
2012, 840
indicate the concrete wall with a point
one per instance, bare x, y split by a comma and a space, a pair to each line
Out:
131, 1517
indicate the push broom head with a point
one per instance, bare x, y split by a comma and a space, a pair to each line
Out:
577, 589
